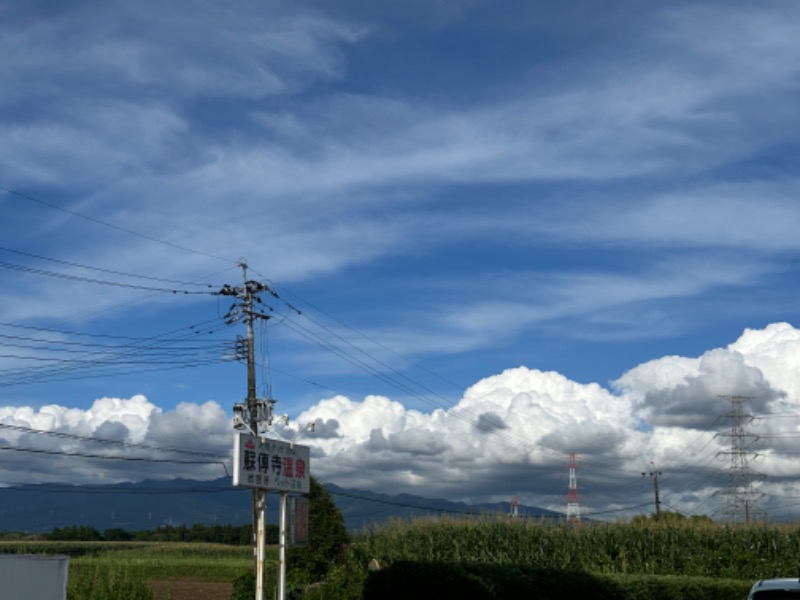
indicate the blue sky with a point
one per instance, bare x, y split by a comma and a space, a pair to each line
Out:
445, 190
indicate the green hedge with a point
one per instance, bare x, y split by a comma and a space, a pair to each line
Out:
72, 549
498, 582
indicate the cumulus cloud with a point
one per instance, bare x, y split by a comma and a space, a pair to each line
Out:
144, 435
517, 422
131, 110
509, 435
697, 399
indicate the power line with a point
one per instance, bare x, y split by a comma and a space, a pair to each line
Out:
79, 278
109, 491
368, 338
102, 270
139, 351
83, 438
119, 458
399, 504
112, 226
400, 384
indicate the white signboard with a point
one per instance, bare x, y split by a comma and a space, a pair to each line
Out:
25, 576
271, 465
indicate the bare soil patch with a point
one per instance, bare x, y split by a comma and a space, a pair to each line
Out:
187, 588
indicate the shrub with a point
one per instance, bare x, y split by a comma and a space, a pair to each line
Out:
498, 582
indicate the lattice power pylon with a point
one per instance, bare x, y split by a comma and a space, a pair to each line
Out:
573, 506
741, 495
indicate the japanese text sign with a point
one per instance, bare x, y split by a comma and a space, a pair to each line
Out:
271, 465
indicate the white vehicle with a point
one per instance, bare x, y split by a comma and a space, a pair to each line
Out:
770, 589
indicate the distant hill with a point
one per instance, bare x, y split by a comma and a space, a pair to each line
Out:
150, 504
363, 508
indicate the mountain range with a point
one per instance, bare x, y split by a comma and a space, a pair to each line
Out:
150, 504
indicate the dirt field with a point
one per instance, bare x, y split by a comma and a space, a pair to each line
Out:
190, 589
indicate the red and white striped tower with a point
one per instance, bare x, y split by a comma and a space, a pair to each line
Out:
573, 506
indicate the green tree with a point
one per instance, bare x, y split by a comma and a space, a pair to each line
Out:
76, 533
116, 534
327, 536
324, 555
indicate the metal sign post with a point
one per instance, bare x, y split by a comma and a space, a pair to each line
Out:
282, 548
261, 544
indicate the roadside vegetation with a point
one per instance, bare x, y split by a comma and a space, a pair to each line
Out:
490, 558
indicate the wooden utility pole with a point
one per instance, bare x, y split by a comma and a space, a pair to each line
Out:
654, 475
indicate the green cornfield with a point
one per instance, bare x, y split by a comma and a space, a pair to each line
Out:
682, 548
649, 556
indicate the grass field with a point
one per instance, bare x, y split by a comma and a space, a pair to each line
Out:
167, 570
144, 571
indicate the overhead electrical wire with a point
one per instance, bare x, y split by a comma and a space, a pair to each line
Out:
112, 226
139, 351
33, 343
365, 360
103, 270
111, 457
355, 355
371, 340
81, 279
108, 490
468, 512
211, 458
360, 363
391, 376
383, 371
108, 442
73, 333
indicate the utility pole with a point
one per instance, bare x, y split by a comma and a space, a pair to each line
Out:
255, 414
655, 475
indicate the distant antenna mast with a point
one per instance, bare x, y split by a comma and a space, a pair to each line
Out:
573, 506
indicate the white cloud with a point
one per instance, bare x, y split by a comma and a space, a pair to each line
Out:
668, 411
521, 419
219, 129
346, 178
510, 434
700, 398
130, 421
754, 215
208, 50
775, 351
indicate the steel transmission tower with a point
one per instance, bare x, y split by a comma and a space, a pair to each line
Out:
573, 506
741, 495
